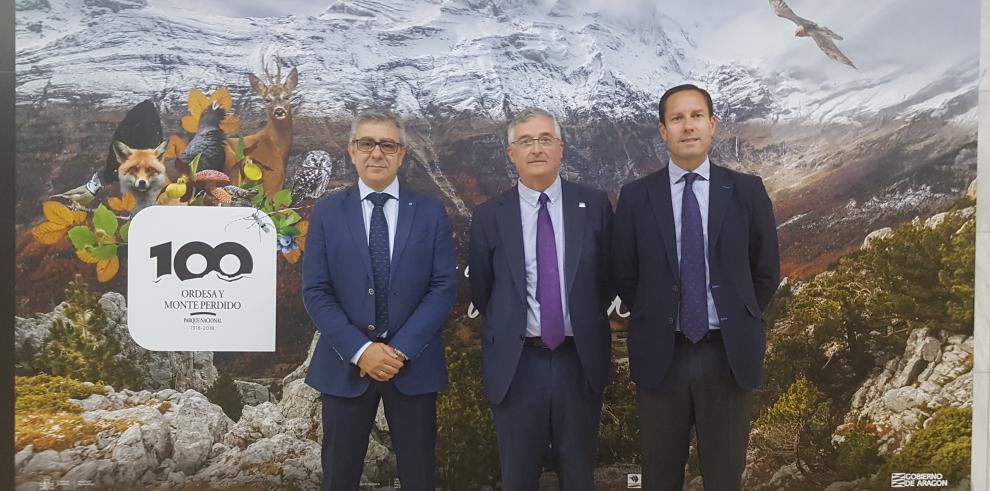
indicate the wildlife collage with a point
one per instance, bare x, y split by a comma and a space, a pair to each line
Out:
860, 117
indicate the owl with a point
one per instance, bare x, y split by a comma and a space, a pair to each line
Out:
311, 179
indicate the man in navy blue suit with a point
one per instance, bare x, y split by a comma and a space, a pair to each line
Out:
696, 261
539, 275
378, 282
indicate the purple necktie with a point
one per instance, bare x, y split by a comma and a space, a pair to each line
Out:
548, 279
694, 298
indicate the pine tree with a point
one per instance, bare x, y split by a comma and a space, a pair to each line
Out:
467, 456
830, 332
82, 346
225, 394
796, 430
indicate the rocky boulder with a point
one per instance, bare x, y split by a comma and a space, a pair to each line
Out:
882, 233
176, 438
157, 369
180, 370
253, 393
173, 439
936, 370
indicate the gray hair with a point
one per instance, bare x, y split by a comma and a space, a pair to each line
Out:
528, 114
378, 117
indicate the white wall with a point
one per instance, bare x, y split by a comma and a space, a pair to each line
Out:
981, 371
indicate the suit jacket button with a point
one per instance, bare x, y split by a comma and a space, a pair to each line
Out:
371, 291
670, 320
371, 327
522, 337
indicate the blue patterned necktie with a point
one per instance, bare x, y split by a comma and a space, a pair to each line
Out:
548, 279
380, 257
694, 298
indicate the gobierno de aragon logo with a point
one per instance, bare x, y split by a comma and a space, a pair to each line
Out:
214, 256
918, 480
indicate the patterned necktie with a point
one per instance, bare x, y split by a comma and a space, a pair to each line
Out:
380, 258
548, 279
694, 298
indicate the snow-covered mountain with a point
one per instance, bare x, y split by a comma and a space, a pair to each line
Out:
457, 55
886, 140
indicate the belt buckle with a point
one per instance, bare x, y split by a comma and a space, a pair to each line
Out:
537, 342
534, 342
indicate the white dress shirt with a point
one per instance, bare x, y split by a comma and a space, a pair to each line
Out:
700, 188
529, 208
391, 209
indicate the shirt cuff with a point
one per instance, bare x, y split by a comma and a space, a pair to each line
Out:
360, 351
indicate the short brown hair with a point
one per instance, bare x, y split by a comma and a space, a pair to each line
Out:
681, 88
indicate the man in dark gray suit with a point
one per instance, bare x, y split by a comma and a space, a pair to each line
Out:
697, 262
539, 274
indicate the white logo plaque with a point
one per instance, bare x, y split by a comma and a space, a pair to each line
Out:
201, 279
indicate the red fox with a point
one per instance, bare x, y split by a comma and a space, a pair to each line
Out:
142, 173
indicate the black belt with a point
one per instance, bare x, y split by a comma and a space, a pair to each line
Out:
711, 336
537, 342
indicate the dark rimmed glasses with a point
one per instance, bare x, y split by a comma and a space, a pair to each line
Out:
388, 147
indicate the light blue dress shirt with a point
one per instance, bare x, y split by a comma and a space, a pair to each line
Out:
529, 208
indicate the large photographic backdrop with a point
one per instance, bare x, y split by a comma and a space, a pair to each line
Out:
867, 147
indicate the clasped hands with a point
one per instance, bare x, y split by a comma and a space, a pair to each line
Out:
381, 362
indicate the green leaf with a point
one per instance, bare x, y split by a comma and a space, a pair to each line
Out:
288, 230
124, 230
259, 199
239, 152
289, 217
81, 236
106, 251
194, 165
105, 220
282, 198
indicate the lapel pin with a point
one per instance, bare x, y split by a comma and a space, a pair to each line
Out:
410, 203
581, 204
726, 187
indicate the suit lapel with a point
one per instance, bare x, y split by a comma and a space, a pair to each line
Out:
405, 218
355, 225
719, 196
510, 228
659, 194
574, 217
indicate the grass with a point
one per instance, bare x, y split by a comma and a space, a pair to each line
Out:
45, 418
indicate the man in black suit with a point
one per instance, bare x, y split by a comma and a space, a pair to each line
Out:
696, 261
539, 275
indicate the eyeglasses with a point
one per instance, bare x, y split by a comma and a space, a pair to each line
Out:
545, 141
388, 147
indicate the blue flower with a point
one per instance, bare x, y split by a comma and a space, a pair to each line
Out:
287, 244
